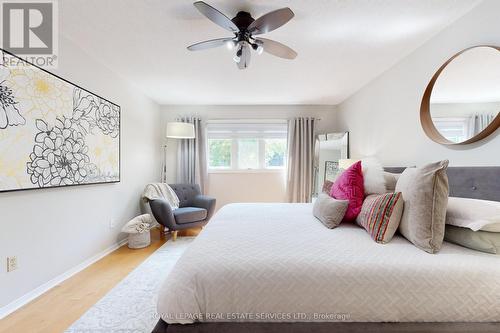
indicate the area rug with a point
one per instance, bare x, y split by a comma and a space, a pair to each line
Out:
130, 307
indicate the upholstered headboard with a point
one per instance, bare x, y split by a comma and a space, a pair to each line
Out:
470, 182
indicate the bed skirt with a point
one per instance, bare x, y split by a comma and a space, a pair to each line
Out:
163, 327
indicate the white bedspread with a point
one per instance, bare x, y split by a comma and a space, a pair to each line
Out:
276, 262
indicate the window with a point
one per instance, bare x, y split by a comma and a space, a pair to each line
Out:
246, 145
453, 129
220, 153
275, 152
248, 153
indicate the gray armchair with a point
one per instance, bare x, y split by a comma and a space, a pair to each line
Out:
194, 210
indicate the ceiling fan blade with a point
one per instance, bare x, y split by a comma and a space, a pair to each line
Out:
271, 21
276, 48
209, 44
245, 56
215, 16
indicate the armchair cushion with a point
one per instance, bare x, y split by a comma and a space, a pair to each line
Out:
189, 215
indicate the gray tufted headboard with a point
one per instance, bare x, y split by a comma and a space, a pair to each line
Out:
470, 182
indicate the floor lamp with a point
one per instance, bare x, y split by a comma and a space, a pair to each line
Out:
176, 130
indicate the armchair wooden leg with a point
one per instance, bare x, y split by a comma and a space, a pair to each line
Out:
163, 230
174, 235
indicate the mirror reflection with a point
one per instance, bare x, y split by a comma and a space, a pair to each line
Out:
466, 96
329, 150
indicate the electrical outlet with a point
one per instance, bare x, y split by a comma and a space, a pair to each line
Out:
112, 223
11, 264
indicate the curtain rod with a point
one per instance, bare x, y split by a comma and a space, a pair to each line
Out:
228, 120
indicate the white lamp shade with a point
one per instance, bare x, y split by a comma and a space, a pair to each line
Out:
178, 130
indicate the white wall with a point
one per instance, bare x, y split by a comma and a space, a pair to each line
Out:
53, 230
383, 117
245, 186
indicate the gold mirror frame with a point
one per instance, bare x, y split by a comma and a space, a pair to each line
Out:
425, 110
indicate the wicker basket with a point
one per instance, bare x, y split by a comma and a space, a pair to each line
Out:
139, 240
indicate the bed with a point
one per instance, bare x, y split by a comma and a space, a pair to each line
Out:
273, 264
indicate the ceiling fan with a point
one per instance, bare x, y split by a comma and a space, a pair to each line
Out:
245, 28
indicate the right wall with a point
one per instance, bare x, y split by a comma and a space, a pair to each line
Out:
383, 118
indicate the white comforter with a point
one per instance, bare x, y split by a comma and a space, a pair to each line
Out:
276, 262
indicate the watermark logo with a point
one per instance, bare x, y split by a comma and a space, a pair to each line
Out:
29, 30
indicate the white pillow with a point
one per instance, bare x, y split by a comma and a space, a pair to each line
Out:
373, 175
473, 214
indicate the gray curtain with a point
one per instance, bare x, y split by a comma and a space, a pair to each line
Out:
479, 122
191, 156
301, 141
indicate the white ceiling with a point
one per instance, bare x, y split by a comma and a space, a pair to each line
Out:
472, 77
342, 45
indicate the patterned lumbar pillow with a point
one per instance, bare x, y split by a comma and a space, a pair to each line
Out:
380, 215
329, 210
425, 194
349, 186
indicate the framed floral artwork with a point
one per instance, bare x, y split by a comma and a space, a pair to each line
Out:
53, 133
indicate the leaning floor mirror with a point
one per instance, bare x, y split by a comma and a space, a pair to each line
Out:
330, 148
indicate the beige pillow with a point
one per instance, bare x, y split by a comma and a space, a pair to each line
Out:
425, 195
380, 215
329, 211
474, 214
483, 241
390, 181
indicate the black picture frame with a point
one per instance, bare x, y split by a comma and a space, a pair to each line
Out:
90, 92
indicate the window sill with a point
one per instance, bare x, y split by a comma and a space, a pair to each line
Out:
246, 171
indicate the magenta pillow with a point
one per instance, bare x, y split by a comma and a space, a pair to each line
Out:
349, 186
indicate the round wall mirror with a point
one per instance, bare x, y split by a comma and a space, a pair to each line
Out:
461, 104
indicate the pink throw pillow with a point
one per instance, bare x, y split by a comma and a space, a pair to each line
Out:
349, 186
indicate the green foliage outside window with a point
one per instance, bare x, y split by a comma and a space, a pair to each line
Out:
219, 153
275, 153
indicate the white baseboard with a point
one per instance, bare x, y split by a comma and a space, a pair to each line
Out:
16, 304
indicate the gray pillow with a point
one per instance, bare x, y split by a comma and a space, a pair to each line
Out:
425, 195
483, 241
329, 211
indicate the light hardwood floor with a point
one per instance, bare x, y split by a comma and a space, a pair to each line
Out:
58, 308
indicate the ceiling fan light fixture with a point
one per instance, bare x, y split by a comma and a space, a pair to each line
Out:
245, 28
237, 57
260, 49
230, 45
